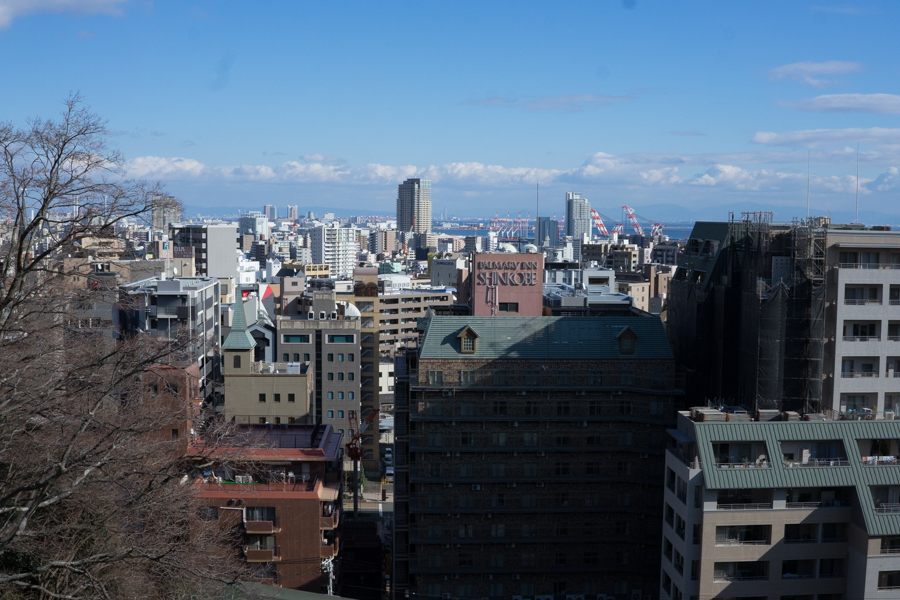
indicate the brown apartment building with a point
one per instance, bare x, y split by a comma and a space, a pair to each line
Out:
529, 457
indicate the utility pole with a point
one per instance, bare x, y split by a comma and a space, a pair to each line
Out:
328, 569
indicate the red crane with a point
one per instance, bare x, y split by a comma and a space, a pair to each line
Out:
629, 214
598, 222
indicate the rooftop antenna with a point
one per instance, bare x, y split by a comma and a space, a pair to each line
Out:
809, 153
857, 182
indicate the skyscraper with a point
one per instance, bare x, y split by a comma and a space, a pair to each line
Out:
578, 215
292, 212
271, 212
414, 206
547, 232
166, 210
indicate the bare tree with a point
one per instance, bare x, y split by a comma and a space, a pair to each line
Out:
95, 500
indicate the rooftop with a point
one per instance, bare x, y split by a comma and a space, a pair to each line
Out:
545, 337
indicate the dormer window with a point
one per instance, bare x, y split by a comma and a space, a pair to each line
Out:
467, 341
627, 340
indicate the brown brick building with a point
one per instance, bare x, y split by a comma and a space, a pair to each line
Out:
529, 457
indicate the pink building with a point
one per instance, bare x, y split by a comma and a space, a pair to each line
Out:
507, 285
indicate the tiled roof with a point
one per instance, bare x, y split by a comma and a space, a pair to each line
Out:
238, 338
778, 475
544, 337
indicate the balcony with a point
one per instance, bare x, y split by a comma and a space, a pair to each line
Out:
862, 338
858, 265
887, 508
818, 462
822, 504
860, 301
262, 527
328, 550
263, 555
857, 374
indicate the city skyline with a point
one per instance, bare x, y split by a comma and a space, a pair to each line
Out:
613, 112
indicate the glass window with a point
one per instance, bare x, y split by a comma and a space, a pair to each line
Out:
351, 357
351, 376
340, 395
340, 375
351, 395
306, 358
331, 358
291, 397
296, 357
341, 339
330, 414
262, 397
340, 358
340, 414
277, 397
285, 357
330, 377
435, 378
331, 395
295, 339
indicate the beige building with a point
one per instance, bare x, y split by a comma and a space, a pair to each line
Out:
781, 509
259, 392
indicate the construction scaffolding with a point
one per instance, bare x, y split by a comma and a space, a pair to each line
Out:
754, 320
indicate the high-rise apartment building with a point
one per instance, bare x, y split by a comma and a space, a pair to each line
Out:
293, 212
578, 215
166, 210
215, 247
800, 316
528, 457
271, 212
781, 509
547, 232
414, 206
336, 247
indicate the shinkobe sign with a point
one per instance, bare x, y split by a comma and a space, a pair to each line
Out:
507, 273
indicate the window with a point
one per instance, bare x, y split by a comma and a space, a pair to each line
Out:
276, 397
529, 500
530, 438
621, 527
330, 377
592, 558
468, 344
623, 468
498, 530
209, 513
467, 410
296, 357
285, 357
262, 397
466, 378
434, 561
529, 530
435, 439
888, 580
465, 560
351, 376
340, 395
529, 470
528, 559
562, 440
467, 439
435, 378
498, 439
594, 408
341, 339
496, 590
531, 408
434, 531
340, 375
500, 378
330, 414
592, 468
331, 395
295, 339
509, 307
236, 362
331, 358
306, 357
351, 357
499, 408
497, 501
174, 434
291, 397
351, 395
467, 470
340, 358
562, 408
627, 342
564, 378
340, 414
498, 470
561, 559
467, 501
562, 468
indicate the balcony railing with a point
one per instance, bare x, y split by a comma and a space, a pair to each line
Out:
862, 338
822, 504
879, 460
745, 506
869, 266
745, 465
722, 578
733, 542
328, 522
887, 508
327, 550
263, 554
262, 527
819, 462
857, 374
860, 301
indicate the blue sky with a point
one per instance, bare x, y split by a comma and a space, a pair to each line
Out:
702, 105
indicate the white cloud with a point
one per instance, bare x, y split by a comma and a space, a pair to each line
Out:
155, 167
10, 9
812, 138
887, 181
885, 104
741, 179
809, 72
318, 157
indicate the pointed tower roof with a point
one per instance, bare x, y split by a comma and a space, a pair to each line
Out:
238, 338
